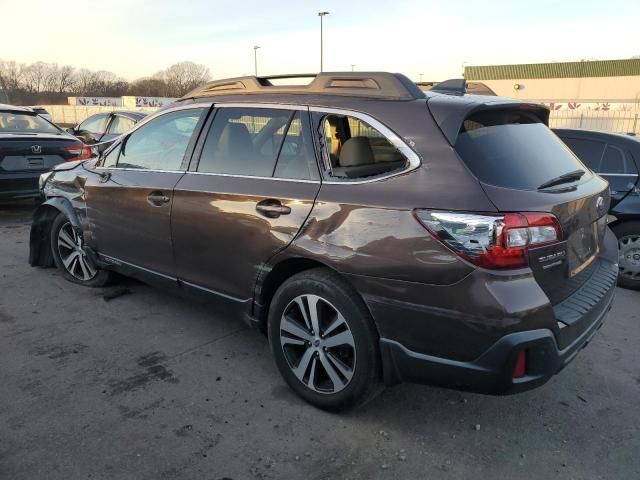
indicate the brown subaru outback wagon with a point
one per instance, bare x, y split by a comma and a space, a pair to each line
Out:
376, 233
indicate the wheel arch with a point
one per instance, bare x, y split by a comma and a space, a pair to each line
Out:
39, 247
273, 278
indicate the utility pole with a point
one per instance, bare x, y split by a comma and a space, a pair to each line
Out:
255, 59
321, 14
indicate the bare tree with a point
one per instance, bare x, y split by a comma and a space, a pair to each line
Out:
184, 76
148, 87
34, 77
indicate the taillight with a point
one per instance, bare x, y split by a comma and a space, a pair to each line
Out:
492, 241
80, 152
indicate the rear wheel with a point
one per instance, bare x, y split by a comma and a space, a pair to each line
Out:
323, 340
69, 255
628, 234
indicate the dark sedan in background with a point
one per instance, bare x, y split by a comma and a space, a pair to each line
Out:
615, 157
103, 128
29, 146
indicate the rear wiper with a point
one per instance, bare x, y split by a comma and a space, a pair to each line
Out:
564, 178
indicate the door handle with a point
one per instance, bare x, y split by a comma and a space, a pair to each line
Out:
271, 208
157, 199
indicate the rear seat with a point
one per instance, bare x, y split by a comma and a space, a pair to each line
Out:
358, 159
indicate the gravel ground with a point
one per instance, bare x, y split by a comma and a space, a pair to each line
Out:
152, 386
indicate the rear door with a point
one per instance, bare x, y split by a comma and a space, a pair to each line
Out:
524, 167
245, 199
129, 200
611, 160
620, 171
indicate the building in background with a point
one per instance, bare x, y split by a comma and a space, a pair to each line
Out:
599, 94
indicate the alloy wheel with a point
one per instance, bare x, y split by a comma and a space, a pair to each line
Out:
318, 344
72, 254
629, 256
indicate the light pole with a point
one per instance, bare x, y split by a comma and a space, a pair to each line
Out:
420, 77
255, 58
353, 66
321, 14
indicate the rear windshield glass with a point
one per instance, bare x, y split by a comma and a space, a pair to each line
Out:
514, 150
16, 122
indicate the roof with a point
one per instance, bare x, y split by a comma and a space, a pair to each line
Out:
582, 69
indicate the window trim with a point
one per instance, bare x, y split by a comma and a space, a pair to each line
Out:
206, 106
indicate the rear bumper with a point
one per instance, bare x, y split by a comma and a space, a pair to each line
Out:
491, 373
468, 335
19, 185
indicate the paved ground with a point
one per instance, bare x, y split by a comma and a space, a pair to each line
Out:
150, 386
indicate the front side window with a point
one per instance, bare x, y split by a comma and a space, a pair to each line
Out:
94, 124
244, 141
120, 125
357, 149
161, 144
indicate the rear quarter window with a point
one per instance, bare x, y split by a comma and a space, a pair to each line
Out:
513, 149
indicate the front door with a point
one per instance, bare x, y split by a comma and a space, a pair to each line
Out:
129, 199
245, 199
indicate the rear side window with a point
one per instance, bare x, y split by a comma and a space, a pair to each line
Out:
297, 158
615, 160
16, 122
120, 125
247, 142
94, 124
588, 151
513, 149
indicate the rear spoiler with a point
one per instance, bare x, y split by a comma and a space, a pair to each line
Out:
450, 111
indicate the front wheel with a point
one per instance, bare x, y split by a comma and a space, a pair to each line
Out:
323, 340
69, 255
628, 234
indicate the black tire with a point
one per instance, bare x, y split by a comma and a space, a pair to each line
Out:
101, 277
365, 380
629, 231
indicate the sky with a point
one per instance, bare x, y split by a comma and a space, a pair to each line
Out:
136, 38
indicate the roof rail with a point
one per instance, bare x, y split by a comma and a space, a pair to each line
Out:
359, 84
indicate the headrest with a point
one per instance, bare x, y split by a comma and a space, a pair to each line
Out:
235, 138
356, 151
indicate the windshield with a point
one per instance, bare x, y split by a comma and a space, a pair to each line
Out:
513, 149
18, 122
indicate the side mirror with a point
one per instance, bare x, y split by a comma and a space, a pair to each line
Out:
70, 130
